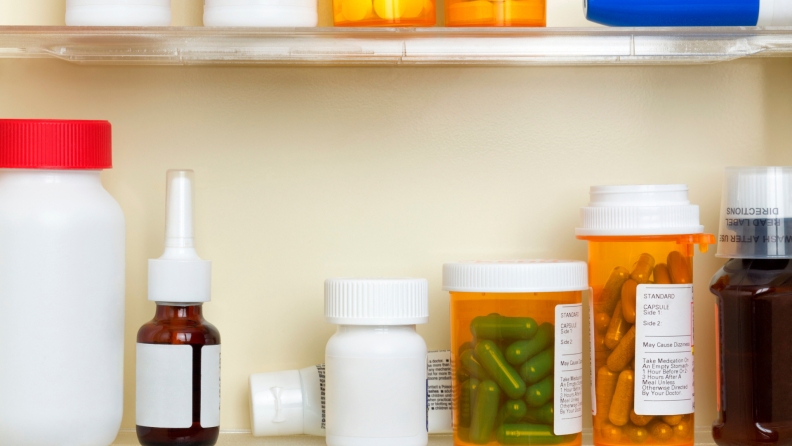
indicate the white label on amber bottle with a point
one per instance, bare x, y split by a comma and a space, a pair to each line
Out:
210, 386
164, 386
664, 349
568, 369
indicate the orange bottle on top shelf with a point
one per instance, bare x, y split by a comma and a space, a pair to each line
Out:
517, 351
531, 13
384, 13
641, 241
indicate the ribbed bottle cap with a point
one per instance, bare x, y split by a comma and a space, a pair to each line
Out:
756, 213
55, 144
376, 301
515, 276
657, 209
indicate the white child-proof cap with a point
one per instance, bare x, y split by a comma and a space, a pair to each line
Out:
276, 403
281, 13
118, 12
515, 276
376, 301
756, 213
179, 275
655, 209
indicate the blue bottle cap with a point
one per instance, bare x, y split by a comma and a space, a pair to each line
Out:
672, 12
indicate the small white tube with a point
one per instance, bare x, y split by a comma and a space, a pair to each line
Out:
291, 402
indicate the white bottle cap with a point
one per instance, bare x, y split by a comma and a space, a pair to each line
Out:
118, 12
376, 301
179, 275
515, 276
276, 403
281, 13
657, 209
756, 213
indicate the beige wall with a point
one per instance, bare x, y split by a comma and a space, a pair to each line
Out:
310, 173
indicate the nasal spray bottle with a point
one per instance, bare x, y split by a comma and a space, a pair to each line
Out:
178, 352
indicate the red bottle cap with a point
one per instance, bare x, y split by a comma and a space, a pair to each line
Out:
55, 144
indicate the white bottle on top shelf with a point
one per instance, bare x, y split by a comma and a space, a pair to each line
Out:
118, 12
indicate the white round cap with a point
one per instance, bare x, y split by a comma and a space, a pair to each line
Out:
118, 12
281, 13
657, 209
756, 213
515, 276
376, 301
276, 403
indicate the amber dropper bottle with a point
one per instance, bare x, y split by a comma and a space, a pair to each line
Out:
178, 352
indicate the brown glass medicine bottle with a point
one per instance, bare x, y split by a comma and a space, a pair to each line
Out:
753, 307
178, 352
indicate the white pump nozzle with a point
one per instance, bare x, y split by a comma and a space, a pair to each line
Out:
179, 275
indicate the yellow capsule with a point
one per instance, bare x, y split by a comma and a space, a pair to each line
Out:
682, 430
660, 431
611, 292
610, 432
616, 329
671, 420
390, 9
637, 434
623, 353
601, 322
606, 386
640, 420
628, 300
679, 268
622, 401
661, 274
643, 268
414, 8
355, 10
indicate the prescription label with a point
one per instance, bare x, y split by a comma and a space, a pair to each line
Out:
439, 395
568, 367
664, 349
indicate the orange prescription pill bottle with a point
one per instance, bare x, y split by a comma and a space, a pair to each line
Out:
641, 241
517, 351
384, 12
496, 13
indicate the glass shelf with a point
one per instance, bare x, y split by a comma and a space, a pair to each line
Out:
391, 46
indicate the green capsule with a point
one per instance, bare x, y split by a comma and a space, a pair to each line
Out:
502, 327
473, 366
511, 412
462, 374
499, 370
538, 367
540, 393
485, 411
465, 406
529, 434
520, 351
541, 415
465, 346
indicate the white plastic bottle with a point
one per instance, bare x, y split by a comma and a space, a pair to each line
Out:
62, 242
280, 13
118, 12
376, 362
292, 402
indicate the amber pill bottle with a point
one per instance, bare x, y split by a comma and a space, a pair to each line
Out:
753, 304
178, 352
641, 241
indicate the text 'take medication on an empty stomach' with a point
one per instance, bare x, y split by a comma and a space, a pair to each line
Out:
517, 345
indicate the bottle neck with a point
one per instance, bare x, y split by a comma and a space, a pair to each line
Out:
175, 311
51, 176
